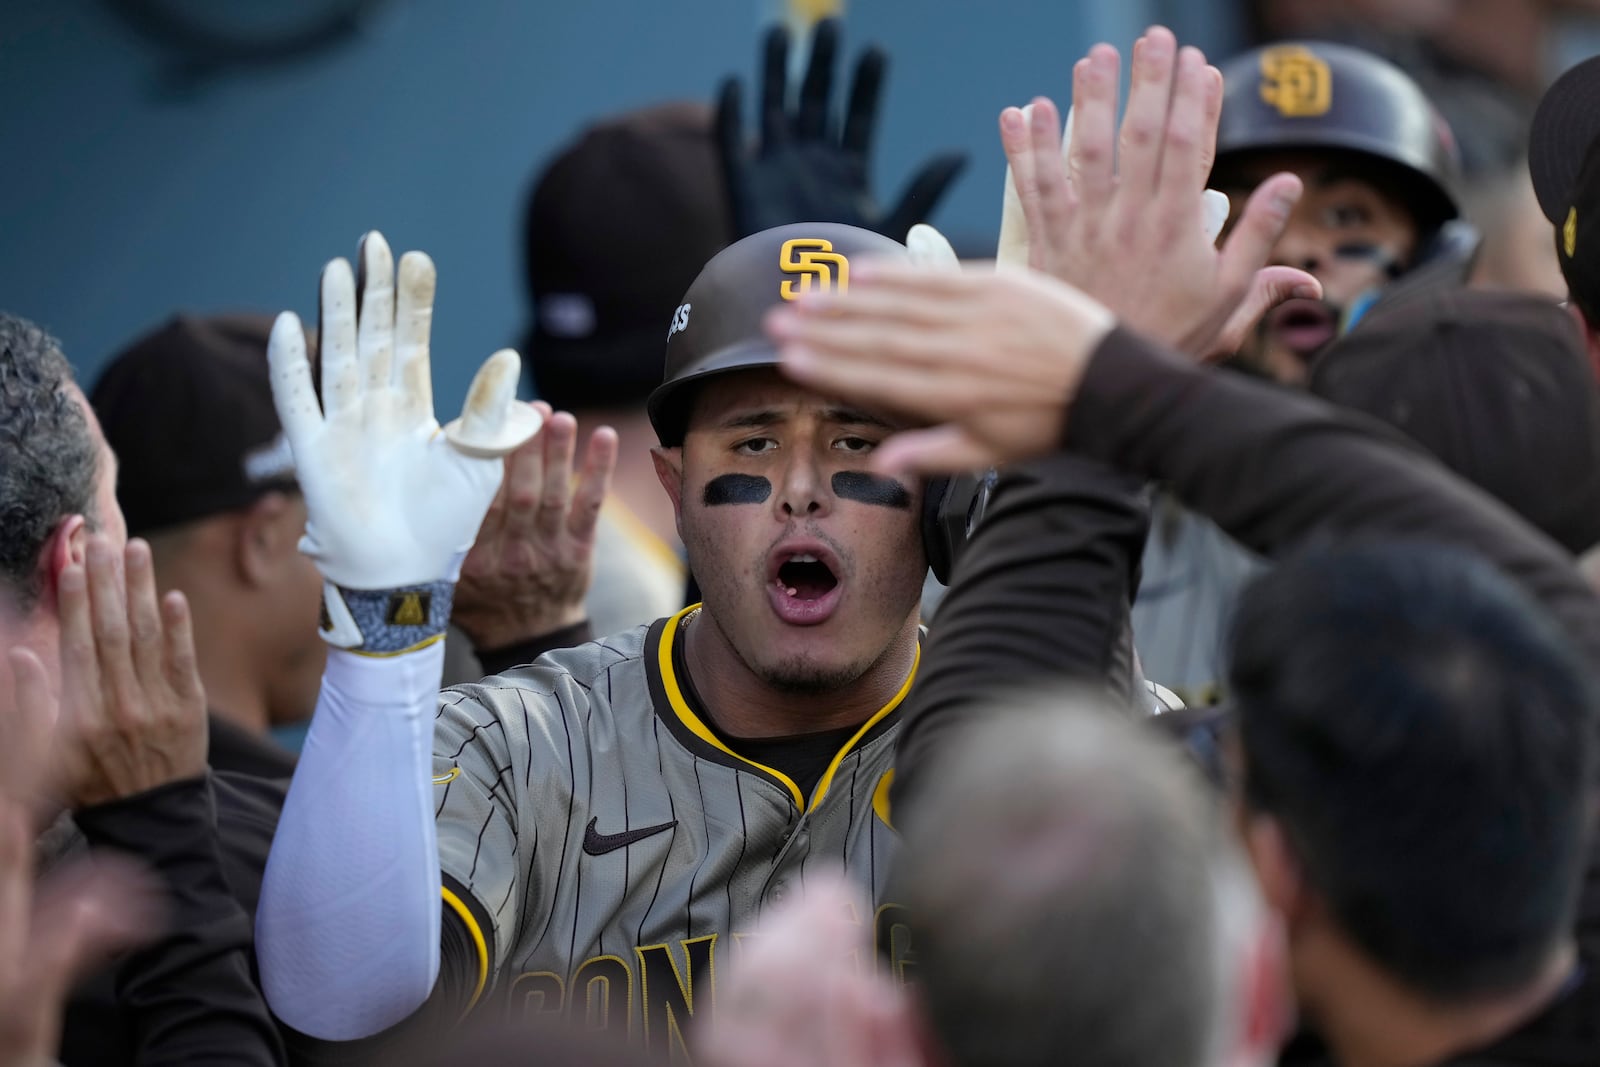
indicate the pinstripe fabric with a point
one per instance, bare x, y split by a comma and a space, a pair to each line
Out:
631, 938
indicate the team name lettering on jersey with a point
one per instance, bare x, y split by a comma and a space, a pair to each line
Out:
652, 996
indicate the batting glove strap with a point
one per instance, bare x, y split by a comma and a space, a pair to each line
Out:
385, 622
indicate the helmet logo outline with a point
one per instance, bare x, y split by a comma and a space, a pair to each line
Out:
812, 258
1296, 81
1569, 233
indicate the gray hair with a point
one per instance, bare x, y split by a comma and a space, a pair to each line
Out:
48, 459
1073, 894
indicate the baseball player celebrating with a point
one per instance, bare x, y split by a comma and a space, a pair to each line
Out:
599, 822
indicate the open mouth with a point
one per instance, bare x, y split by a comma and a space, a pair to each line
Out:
803, 583
805, 577
1305, 326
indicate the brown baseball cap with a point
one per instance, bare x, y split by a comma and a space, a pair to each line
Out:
717, 327
617, 224
187, 408
1497, 386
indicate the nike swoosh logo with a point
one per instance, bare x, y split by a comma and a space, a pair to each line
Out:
598, 844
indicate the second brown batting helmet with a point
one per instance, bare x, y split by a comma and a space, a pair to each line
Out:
1314, 96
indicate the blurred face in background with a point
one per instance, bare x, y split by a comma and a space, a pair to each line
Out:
1348, 231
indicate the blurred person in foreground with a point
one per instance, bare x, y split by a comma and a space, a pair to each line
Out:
207, 479
1433, 906
1062, 833
127, 767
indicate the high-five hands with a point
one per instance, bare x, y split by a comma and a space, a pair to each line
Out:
393, 501
1125, 216
805, 168
529, 571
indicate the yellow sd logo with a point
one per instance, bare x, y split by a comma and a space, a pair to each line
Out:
812, 257
1296, 82
1569, 233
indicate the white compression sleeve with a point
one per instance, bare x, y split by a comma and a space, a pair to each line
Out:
347, 930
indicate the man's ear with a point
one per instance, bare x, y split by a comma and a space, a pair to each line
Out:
669, 471
68, 543
1277, 868
265, 534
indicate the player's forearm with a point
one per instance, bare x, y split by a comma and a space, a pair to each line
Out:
1276, 469
348, 926
1042, 592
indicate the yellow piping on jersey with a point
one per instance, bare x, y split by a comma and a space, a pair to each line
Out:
878, 716
669, 682
465, 913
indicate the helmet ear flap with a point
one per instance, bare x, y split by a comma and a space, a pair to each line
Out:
952, 507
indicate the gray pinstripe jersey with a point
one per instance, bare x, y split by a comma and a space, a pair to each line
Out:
547, 781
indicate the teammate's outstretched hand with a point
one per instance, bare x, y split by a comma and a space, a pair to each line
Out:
529, 571
992, 360
1127, 219
393, 503
803, 991
53, 929
805, 168
133, 709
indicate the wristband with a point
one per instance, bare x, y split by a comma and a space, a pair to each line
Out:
385, 622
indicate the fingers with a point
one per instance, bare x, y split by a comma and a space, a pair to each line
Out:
594, 484
1091, 150
1185, 158
85, 913
146, 638
729, 125
375, 318
811, 124
1140, 144
336, 338
1270, 287
937, 450
80, 668
417, 283
493, 389
108, 612
1262, 222
774, 83
181, 664
560, 445
292, 392
923, 193
861, 115
1055, 199
1021, 194
1211, 121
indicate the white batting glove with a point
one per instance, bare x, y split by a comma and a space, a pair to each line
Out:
393, 501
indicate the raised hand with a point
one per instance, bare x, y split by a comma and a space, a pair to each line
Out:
529, 571
51, 930
1126, 217
806, 167
393, 502
991, 360
803, 991
133, 709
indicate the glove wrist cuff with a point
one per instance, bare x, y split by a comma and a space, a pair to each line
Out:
386, 622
